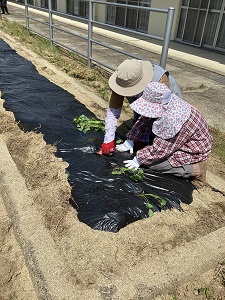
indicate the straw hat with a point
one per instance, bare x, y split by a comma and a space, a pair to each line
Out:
131, 77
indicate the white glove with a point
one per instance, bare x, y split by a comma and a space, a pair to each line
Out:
132, 164
128, 145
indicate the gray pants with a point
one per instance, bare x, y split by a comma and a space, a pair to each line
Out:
163, 166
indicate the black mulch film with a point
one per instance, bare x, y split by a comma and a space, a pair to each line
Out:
103, 201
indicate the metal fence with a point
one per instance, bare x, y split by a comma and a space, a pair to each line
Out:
56, 24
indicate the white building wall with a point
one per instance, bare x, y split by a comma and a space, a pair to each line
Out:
61, 6
157, 21
100, 12
37, 2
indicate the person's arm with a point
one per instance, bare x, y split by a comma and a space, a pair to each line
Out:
116, 101
158, 150
139, 128
112, 116
161, 148
164, 79
170, 82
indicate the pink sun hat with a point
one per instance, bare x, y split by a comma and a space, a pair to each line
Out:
158, 102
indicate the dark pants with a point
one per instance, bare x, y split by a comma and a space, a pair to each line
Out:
163, 166
4, 9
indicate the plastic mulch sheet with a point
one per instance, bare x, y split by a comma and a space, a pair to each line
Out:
103, 201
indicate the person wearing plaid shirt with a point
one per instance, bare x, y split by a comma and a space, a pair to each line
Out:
129, 80
182, 141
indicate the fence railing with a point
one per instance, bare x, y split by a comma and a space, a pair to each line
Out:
53, 27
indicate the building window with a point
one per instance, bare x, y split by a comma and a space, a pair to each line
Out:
202, 23
54, 4
221, 40
44, 3
128, 17
216, 4
78, 8
83, 9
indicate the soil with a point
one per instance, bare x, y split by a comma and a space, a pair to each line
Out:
117, 254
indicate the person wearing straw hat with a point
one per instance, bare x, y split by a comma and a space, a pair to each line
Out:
182, 142
129, 80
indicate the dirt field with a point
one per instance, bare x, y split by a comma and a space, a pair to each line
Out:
99, 262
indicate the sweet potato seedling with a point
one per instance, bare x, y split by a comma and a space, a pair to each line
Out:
85, 124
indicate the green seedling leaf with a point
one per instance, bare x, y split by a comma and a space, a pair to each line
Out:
161, 201
136, 175
149, 205
119, 141
85, 124
150, 211
204, 291
119, 170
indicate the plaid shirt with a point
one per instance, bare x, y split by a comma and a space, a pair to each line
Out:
190, 145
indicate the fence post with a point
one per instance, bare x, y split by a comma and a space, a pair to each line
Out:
90, 33
167, 34
50, 22
26, 15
